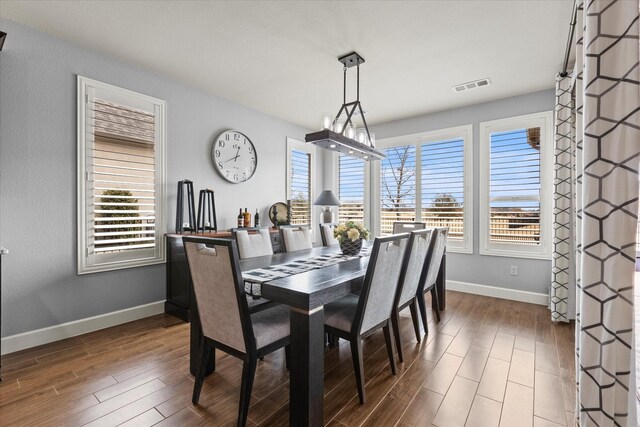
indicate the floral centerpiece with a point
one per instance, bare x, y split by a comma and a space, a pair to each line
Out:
350, 236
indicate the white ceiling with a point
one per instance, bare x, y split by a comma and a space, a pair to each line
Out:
280, 57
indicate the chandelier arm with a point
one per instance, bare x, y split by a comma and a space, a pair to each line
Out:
344, 86
364, 121
355, 104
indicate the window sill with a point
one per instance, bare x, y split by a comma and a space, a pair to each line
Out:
513, 254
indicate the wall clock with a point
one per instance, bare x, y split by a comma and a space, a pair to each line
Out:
234, 156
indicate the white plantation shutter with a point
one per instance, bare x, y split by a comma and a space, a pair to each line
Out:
300, 187
121, 190
515, 187
516, 177
397, 187
443, 186
351, 189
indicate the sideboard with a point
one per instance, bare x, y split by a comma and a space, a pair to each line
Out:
179, 289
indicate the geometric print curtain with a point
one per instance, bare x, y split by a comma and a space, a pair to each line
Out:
608, 133
563, 263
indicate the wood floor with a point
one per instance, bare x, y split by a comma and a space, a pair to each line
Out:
489, 362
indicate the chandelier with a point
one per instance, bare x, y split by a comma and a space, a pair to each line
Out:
340, 133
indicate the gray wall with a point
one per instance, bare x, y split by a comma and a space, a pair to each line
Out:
534, 275
38, 175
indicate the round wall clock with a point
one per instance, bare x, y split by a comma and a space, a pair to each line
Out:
234, 156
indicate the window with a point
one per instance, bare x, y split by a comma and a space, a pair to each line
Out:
427, 177
121, 195
515, 186
351, 191
299, 173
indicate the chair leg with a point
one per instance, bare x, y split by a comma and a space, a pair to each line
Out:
434, 302
388, 337
287, 356
395, 323
206, 352
358, 366
248, 374
423, 312
414, 319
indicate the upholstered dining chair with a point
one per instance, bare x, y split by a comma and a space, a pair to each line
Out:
253, 245
432, 265
407, 227
295, 237
412, 274
326, 233
224, 315
355, 317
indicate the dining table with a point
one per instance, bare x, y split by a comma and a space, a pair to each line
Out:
306, 294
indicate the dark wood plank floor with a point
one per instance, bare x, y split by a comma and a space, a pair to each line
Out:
489, 362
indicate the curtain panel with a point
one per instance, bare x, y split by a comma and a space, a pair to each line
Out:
607, 94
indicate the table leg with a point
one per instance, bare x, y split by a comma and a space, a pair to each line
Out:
441, 282
306, 367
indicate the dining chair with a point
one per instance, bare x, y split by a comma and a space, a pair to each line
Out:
256, 244
326, 233
412, 274
295, 237
355, 317
432, 265
407, 227
224, 315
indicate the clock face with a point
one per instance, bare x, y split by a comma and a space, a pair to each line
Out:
234, 156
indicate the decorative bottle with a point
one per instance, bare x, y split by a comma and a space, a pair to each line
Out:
240, 219
247, 218
256, 219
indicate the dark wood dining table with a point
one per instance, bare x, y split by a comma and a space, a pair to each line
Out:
307, 293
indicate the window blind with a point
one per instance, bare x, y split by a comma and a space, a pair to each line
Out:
515, 187
121, 160
397, 187
442, 188
351, 189
300, 187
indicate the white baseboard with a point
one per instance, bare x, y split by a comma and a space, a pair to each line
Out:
49, 334
496, 292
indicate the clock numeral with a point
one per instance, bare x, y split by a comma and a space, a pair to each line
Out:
235, 177
221, 143
226, 137
217, 153
244, 175
236, 137
227, 173
253, 161
220, 164
250, 149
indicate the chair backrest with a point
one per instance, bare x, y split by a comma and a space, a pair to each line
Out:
218, 290
435, 257
413, 270
380, 282
254, 244
326, 233
408, 227
295, 238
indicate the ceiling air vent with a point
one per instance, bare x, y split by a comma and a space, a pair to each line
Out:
471, 85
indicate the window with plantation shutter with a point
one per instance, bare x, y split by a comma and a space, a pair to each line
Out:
397, 186
121, 183
351, 176
299, 188
426, 177
515, 186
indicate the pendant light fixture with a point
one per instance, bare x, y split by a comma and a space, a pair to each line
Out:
340, 133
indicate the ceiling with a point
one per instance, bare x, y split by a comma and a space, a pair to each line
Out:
281, 57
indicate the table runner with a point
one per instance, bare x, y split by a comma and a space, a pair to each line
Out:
256, 277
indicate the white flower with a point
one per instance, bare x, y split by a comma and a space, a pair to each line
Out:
353, 234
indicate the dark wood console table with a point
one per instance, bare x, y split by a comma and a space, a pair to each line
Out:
179, 291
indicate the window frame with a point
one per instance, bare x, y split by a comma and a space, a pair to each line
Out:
85, 261
294, 144
544, 120
465, 132
366, 218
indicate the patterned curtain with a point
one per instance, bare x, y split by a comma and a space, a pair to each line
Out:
564, 211
608, 144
